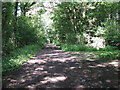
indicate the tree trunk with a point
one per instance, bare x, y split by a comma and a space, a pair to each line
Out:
15, 24
16, 9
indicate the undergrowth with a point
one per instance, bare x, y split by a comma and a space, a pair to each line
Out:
17, 57
107, 53
76, 48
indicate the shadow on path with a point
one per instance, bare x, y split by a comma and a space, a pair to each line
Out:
54, 68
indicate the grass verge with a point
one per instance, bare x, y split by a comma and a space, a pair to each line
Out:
76, 48
17, 57
107, 53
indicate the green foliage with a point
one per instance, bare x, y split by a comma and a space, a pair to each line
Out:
107, 53
112, 33
67, 22
108, 48
72, 19
7, 27
19, 56
110, 55
26, 34
19, 31
76, 48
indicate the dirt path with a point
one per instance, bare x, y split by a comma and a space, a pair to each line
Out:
54, 68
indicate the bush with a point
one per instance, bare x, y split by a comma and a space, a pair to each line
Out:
21, 33
112, 33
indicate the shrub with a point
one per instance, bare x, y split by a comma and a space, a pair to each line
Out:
112, 33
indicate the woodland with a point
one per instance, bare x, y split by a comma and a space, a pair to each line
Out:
77, 43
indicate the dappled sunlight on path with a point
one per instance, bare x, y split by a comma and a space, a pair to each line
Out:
54, 68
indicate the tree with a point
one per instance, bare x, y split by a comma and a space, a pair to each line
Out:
25, 6
73, 19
